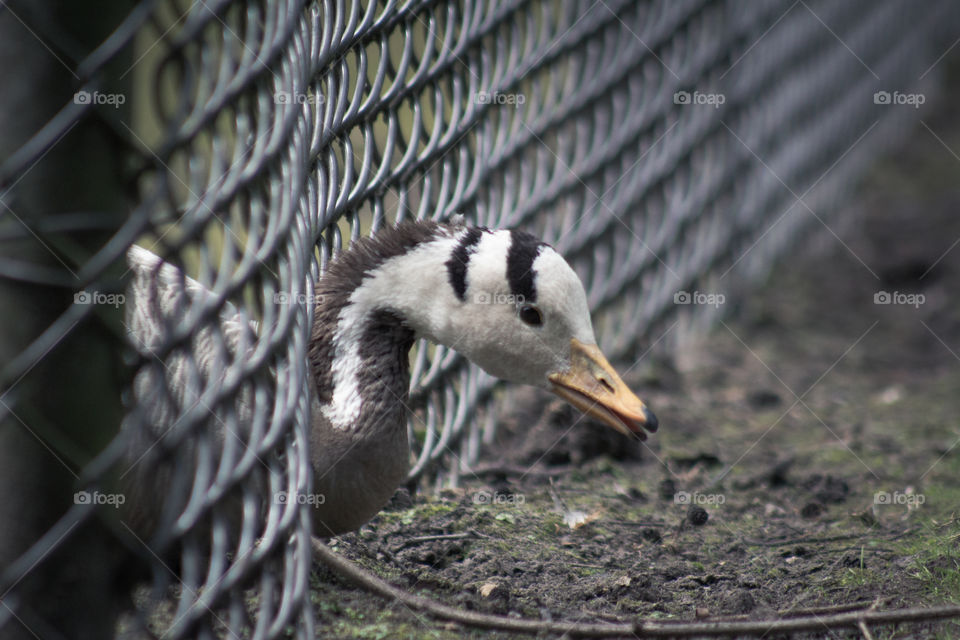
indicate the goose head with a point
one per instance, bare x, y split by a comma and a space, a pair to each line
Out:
524, 318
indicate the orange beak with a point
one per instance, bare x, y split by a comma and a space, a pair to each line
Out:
592, 386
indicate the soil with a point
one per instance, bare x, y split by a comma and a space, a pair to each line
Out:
808, 456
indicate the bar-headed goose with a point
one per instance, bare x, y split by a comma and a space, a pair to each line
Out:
502, 298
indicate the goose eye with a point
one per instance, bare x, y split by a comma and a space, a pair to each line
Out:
531, 315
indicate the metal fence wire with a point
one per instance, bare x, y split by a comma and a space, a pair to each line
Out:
663, 147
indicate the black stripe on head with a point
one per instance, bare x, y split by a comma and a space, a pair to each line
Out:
460, 259
524, 249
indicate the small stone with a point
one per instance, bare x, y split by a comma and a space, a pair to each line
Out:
489, 589
892, 394
697, 516
854, 561
652, 535
401, 501
763, 399
777, 475
811, 510
771, 510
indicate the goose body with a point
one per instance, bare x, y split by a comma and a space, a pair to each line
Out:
503, 299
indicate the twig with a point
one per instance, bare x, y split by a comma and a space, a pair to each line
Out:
640, 628
511, 470
830, 608
442, 536
804, 611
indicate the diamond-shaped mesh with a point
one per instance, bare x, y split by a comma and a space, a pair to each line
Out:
667, 149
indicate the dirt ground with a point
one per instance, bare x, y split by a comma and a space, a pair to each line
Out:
808, 456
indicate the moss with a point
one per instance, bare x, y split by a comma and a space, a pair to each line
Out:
936, 558
421, 511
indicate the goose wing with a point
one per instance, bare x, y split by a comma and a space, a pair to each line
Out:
187, 337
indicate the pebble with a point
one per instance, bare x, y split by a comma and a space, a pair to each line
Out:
697, 516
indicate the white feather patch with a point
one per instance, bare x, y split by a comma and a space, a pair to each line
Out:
343, 411
400, 284
488, 265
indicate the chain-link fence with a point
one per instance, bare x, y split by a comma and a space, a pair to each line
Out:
670, 150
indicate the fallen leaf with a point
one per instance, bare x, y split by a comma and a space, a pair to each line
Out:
576, 519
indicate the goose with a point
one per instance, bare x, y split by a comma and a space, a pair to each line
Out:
500, 297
